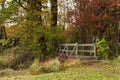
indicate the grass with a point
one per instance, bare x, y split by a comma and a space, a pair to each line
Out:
96, 71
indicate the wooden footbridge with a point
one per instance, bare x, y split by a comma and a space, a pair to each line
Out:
84, 52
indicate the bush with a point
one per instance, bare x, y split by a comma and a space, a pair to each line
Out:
35, 68
23, 58
4, 64
7, 58
113, 53
116, 61
47, 67
42, 41
52, 66
7, 43
102, 49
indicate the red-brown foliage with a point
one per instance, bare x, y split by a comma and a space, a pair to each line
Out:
98, 13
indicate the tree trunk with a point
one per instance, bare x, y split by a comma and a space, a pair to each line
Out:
40, 10
54, 12
3, 34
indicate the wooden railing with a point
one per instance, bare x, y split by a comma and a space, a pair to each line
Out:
91, 50
76, 50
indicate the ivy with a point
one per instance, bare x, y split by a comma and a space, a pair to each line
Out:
102, 48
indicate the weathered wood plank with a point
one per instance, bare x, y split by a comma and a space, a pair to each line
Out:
86, 45
76, 48
86, 51
69, 44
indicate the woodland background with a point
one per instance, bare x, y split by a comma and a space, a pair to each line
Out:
33, 29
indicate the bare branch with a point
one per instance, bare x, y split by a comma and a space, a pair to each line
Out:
19, 2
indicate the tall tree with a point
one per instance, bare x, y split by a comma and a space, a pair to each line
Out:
32, 7
98, 14
3, 34
54, 12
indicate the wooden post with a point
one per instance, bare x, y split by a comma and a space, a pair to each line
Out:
67, 49
76, 50
60, 49
95, 50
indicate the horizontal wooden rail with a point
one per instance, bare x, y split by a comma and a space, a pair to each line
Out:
68, 44
89, 51
73, 49
86, 44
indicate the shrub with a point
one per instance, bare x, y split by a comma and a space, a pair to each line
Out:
7, 43
116, 61
23, 58
52, 66
42, 41
47, 67
3, 64
102, 48
113, 52
35, 68
6, 58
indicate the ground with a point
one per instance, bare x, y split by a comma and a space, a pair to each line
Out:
109, 70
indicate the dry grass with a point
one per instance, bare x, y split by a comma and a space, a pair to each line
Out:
75, 71
11, 72
97, 71
71, 62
